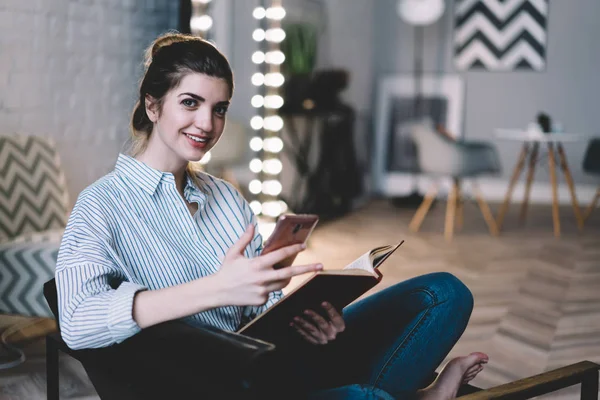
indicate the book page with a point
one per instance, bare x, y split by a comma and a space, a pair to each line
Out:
380, 254
363, 262
373, 258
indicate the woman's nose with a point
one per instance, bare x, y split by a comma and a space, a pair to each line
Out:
203, 120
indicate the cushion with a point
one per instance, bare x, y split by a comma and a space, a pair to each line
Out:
25, 264
33, 191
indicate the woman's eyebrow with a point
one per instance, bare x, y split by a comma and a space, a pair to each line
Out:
201, 99
195, 96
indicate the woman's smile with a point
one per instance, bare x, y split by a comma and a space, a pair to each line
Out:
197, 141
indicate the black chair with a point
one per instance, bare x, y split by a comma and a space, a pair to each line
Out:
591, 165
221, 350
242, 357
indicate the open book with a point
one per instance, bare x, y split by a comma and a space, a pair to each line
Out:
339, 287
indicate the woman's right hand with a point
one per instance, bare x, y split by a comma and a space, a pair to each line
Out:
248, 281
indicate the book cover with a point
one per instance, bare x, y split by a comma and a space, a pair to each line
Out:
338, 287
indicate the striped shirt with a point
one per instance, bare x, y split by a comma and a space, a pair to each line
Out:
132, 231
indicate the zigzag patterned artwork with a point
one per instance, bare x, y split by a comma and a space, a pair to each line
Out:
33, 194
500, 35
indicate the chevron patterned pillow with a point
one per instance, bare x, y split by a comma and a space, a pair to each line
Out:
33, 190
26, 263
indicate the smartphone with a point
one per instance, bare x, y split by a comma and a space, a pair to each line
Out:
290, 229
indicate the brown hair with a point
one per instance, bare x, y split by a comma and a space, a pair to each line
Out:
167, 60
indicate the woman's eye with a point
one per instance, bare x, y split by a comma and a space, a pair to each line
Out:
221, 110
189, 102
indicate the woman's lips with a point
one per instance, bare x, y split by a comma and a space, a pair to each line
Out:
197, 141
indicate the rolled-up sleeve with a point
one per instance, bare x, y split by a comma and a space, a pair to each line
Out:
92, 313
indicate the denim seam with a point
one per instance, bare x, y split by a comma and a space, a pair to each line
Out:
408, 337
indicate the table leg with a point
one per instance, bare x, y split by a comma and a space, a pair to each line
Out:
459, 205
511, 185
569, 179
555, 215
531, 173
450, 212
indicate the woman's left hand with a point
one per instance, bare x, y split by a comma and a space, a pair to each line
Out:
319, 330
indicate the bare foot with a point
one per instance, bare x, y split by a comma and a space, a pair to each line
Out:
456, 372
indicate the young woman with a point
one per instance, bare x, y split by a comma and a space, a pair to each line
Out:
156, 241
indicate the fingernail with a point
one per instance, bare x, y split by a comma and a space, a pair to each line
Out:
319, 266
325, 304
303, 246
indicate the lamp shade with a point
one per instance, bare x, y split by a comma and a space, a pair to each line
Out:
420, 12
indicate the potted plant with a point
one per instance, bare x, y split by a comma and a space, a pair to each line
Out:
300, 50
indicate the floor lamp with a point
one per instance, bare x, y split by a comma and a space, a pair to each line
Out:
418, 13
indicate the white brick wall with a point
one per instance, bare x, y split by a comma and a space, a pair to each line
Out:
69, 69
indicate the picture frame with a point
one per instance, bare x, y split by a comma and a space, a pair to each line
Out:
394, 158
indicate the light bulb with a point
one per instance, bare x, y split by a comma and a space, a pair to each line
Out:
256, 207
275, 35
258, 57
258, 35
419, 12
256, 165
255, 186
256, 143
272, 166
274, 79
271, 187
258, 79
259, 13
283, 207
257, 101
273, 123
273, 144
274, 57
275, 13
256, 122
271, 208
201, 23
273, 101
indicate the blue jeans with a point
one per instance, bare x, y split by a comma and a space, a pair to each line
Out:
393, 342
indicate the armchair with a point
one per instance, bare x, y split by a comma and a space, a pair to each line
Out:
440, 156
241, 357
169, 342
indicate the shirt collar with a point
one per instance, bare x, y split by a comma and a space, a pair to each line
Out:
139, 173
192, 192
148, 178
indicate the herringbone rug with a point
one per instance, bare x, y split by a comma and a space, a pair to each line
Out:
537, 298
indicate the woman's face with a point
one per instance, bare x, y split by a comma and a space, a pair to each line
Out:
191, 120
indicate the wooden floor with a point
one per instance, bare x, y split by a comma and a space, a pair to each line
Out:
537, 298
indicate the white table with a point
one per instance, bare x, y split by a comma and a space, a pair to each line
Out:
531, 143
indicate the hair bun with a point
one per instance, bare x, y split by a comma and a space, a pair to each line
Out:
162, 41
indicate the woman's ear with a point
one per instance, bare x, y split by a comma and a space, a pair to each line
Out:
151, 108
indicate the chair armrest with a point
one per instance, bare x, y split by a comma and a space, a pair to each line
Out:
584, 372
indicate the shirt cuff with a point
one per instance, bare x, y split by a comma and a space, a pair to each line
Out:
120, 312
